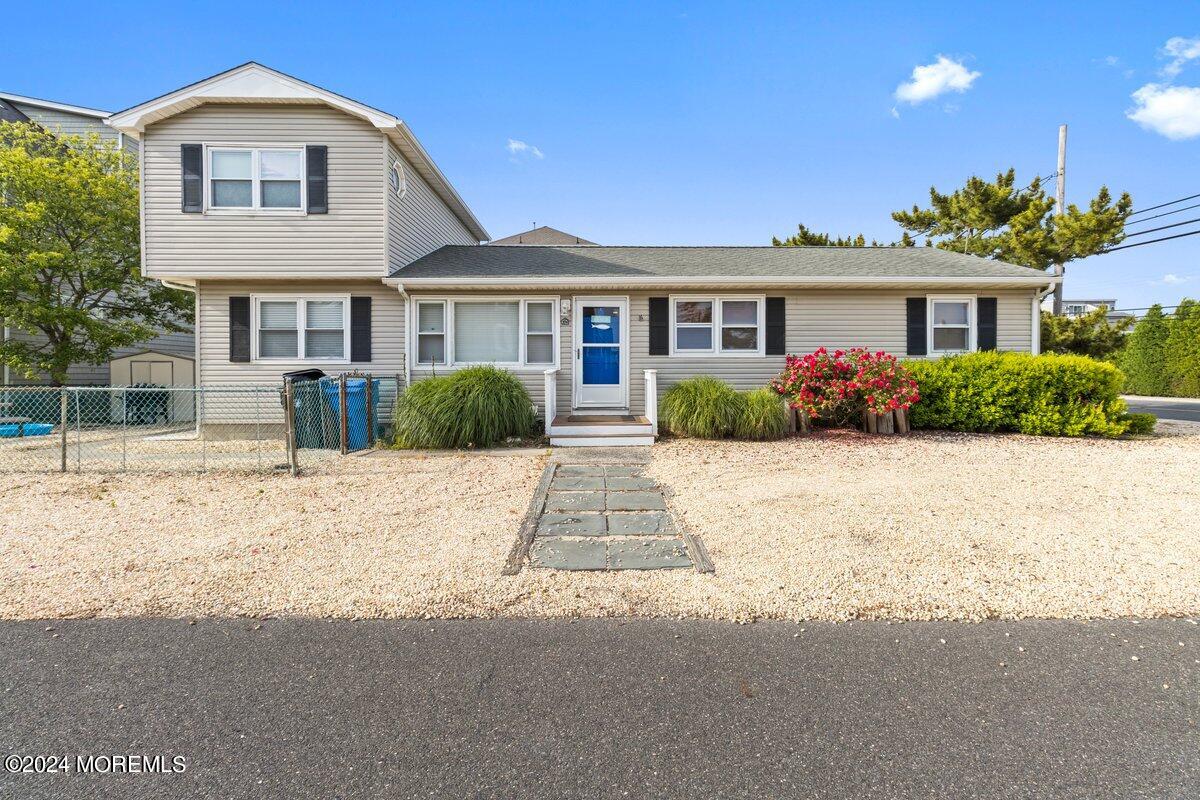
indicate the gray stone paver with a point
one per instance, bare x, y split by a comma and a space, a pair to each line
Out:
575, 501
623, 471
555, 553
647, 554
641, 524
576, 484
627, 484
606, 517
572, 525
634, 501
580, 471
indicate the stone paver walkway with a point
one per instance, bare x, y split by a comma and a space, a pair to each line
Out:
606, 517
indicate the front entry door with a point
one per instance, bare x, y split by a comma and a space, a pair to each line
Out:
601, 352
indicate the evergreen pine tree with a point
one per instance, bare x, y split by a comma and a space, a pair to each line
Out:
1182, 354
1144, 360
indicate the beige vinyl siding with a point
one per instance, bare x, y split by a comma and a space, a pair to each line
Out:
349, 241
419, 222
387, 330
845, 318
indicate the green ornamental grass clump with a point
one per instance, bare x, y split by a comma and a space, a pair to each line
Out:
1141, 424
1047, 395
762, 416
705, 407
473, 407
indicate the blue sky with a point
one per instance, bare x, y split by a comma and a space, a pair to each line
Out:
703, 123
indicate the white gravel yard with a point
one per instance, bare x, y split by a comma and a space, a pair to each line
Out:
830, 526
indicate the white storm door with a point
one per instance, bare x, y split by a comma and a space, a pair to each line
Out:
601, 352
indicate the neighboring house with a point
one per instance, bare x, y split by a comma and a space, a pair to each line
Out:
1078, 308
541, 236
138, 360
316, 231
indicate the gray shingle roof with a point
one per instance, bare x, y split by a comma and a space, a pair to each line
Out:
500, 261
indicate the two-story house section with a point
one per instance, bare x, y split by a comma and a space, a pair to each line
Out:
283, 206
141, 362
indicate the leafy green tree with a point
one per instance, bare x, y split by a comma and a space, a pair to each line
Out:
1088, 334
69, 254
1182, 354
1144, 360
996, 219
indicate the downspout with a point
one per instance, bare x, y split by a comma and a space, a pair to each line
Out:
194, 288
1035, 341
408, 326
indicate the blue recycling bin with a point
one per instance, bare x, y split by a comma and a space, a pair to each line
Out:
356, 408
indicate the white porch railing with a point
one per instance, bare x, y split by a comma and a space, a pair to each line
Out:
551, 393
652, 399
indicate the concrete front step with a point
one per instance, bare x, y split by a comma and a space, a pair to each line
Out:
640, 440
600, 430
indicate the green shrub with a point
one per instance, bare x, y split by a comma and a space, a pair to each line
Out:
704, 407
1046, 395
473, 407
762, 416
1140, 424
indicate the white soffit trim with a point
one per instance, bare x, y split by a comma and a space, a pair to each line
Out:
254, 83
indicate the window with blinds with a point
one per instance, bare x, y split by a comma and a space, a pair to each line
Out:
521, 332
301, 328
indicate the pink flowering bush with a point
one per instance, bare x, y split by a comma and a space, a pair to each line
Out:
839, 385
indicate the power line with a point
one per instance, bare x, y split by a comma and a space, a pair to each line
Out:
1152, 241
1166, 214
1163, 227
1164, 205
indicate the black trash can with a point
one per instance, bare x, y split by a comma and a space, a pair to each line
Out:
308, 411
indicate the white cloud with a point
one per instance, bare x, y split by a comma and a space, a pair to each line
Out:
1180, 50
518, 150
1173, 111
931, 80
1171, 279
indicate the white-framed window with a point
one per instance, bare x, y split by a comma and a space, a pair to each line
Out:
515, 332
268, 179
431, 332
307, 328
952, 324
397, 179
732, 325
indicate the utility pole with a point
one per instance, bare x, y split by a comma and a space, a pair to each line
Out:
1060, 207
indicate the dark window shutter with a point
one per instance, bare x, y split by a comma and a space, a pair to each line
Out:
916, 326
239, 329
986, 330
191, 162
776, 326
360, 329
317, 161
660, 326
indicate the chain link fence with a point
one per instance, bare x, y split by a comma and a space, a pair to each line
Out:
156, 428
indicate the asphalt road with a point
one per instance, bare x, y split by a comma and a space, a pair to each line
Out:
1180, 408
595, 709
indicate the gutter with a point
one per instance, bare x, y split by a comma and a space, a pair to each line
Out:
1035, 333
667, 281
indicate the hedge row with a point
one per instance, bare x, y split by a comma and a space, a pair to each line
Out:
1046, 395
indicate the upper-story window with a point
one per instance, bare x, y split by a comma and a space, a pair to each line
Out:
252, 178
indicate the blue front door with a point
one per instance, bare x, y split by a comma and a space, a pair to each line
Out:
600, 352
